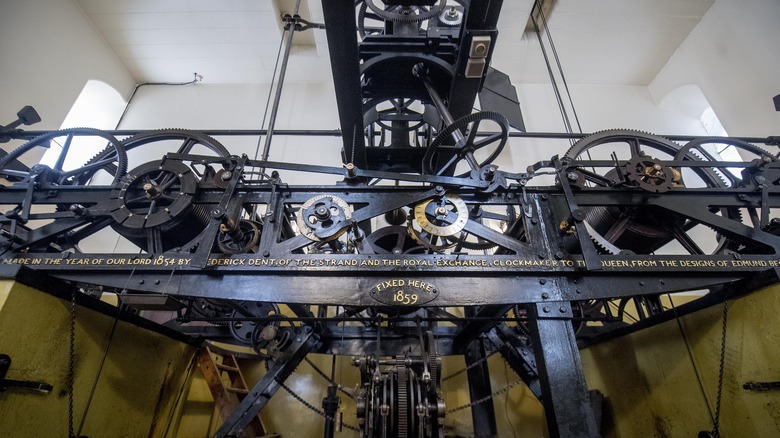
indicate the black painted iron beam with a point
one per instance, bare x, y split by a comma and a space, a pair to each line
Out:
262, 392
564, 392
520, 357
341, 30
483, 415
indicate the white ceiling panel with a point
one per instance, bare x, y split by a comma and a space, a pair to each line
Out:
233, 41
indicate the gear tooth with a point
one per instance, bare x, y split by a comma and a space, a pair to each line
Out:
586, 142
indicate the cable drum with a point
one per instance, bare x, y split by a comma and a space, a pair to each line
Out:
156, 197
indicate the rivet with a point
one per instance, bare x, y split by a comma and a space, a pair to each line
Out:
546, 309
544, 295
542, 281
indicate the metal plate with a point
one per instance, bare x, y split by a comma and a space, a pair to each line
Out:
404, 292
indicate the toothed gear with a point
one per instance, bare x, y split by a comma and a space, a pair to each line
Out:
640, 230
650, 174
451, 16
115, 165
401, 14
324, 218
435, 220
472, 123
696, 148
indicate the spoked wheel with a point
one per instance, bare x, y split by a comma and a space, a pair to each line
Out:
478, 153
638, 229
63, 171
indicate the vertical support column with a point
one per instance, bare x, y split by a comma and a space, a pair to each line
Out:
483, 414
341, 30
564, 392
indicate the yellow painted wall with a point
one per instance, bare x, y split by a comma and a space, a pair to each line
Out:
650, 383
135, 388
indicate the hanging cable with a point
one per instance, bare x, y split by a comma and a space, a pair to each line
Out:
562, 104
556, 91
560, 68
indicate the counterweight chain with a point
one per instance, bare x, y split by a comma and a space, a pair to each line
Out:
314, 408
71, 362
331, 381
463, 370
485, 398
721, 369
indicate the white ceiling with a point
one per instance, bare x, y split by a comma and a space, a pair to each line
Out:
236, 41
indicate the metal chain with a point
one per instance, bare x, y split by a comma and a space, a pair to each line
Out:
71, 362
354, 136
484, 399
463, 370
716, 423
314, 408
331, 381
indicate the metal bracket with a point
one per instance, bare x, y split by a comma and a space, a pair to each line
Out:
760, 386
300, 24
5, 364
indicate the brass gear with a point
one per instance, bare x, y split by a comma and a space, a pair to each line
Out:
327, 224
432, 220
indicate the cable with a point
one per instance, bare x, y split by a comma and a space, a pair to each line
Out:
556, 90
690, 356
196, 78
560, 68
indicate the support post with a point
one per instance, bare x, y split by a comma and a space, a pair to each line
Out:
564, 392
261, 393
483, 415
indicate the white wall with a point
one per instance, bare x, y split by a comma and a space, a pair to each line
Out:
240, 106
733, 56
49, 51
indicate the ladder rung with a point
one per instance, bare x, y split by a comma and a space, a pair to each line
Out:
227, 367
237, 390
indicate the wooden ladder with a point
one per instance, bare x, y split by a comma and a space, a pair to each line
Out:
228, 387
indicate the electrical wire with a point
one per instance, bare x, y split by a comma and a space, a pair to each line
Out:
196, 78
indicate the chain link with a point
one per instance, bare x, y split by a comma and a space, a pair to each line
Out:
463, 370
313, 408
71, 362
716, 423
484, 399
331, 381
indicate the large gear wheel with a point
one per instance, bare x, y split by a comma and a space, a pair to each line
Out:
492, 145
640, 229
114, 163
324, 218
711, 149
